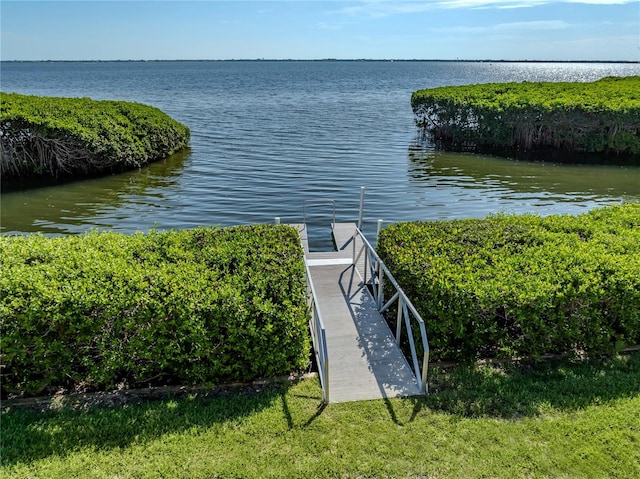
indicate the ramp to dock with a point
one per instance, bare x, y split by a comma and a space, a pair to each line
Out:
364, 359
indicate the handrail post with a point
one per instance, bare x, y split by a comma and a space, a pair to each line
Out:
380, 285
361, 208
425, 367
366, 265
325, 370
399, 319
355, 237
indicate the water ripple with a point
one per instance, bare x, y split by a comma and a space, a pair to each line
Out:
266, 136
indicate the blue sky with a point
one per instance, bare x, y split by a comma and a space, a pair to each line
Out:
241, 29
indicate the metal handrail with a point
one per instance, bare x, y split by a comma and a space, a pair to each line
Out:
318, 335
317, 202
378, 274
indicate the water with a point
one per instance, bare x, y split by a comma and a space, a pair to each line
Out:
266, 136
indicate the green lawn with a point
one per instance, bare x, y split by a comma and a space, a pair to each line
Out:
557, 420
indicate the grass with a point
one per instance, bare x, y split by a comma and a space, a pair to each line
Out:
554, 419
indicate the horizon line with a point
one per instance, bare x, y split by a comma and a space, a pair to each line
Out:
461, 60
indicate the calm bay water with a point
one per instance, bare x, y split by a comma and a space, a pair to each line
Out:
266, 136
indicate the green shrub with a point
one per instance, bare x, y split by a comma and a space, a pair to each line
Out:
598, 117
522, 285
208, 305
44, 136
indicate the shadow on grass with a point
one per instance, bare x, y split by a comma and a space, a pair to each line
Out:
507, 392
527, 389
29, 435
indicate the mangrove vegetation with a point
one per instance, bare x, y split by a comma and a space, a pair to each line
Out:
566, 121
75, 137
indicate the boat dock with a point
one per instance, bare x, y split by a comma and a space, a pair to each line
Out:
358, 356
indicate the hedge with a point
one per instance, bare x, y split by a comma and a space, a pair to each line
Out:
508, 286
64, 137
209, 305
601, 117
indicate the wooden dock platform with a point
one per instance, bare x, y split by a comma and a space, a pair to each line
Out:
364, 360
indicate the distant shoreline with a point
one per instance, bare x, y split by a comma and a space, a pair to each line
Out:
391, 60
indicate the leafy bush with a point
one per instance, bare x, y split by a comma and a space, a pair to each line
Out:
208, 305
68, 136
522, 285
597, 117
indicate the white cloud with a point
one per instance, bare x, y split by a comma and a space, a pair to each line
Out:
381, 8
533, 25
510, 27
602, 2
489, 3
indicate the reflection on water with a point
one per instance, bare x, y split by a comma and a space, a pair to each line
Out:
70, 207
469, 183
428, 185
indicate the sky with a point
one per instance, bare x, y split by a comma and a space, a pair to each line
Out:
563, 30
